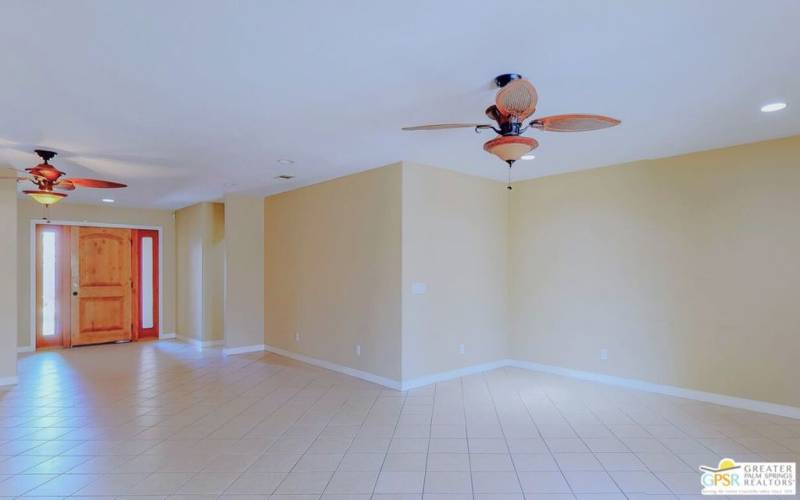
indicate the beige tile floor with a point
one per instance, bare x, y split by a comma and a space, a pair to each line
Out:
164, 419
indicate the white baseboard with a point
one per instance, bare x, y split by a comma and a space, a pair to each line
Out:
26, 348
8, 380
670, 390
386, 382
200, 343
641, 385
369, 377
461, 372
243, 349
167, 336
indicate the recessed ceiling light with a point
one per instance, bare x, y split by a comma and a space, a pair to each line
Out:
107, 200
773, 106
527, 157
285, 177
284, 161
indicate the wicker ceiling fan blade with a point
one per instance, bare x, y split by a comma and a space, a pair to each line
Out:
94, 183
518, 98
574, 123
442, 126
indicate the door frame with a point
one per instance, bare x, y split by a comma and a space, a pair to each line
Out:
33, 244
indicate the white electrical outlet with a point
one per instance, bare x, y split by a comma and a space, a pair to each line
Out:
461, 348
297, 337
604, 354
358, 350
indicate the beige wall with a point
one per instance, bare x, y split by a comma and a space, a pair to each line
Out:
214, 265
244, 271
29, 210
189, 230
342, 257
200, 237
9, 270
332, 271
686, 269
455, 230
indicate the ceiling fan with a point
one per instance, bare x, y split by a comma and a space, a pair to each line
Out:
515, 102
47, 178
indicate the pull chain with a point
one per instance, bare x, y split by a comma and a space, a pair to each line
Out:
510, 164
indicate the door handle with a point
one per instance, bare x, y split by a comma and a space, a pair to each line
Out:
74, 294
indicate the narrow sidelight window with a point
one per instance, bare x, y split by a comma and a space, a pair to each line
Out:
48, 284
146, 252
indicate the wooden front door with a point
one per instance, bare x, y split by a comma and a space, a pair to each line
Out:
101, 285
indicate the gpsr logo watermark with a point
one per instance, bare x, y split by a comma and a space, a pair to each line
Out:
749, 478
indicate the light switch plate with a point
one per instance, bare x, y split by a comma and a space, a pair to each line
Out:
419, 288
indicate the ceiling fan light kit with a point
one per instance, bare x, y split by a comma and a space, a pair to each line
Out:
515, 102
45, 197
510, 148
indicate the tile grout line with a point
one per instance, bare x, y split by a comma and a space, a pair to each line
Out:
428, 448
647, 467
502, 430
466, 436
361, 427
298, 391
311, 406
587, 447
385, 455
544, 441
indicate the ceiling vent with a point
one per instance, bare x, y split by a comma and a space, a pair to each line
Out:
285, 177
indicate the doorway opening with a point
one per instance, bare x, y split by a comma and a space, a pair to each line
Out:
95, 284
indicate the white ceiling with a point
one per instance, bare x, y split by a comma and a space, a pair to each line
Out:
187, 100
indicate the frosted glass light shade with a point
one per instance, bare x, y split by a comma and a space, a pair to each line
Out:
510, 148
46, 197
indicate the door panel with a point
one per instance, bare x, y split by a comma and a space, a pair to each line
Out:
101, 285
